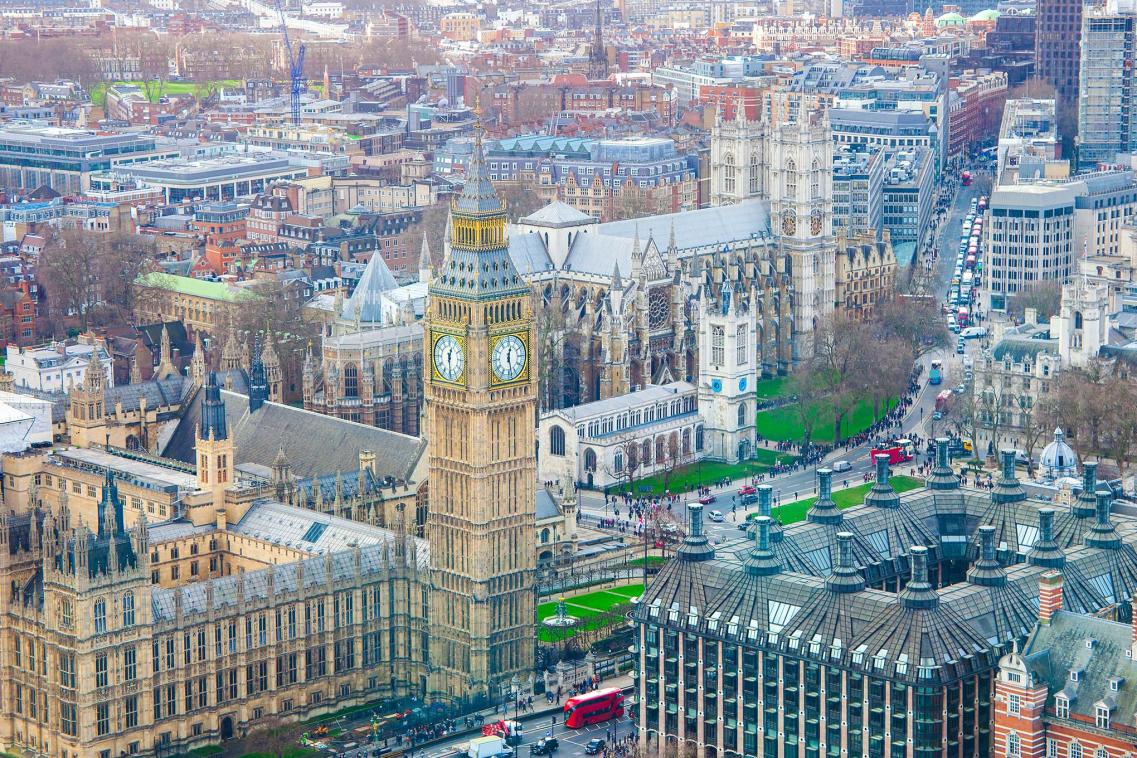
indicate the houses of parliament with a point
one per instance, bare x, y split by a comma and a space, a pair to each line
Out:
257, 562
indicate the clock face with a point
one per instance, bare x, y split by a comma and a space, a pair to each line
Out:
508, 358
815, 223
716, 385
742, 384
449, 359
789, 223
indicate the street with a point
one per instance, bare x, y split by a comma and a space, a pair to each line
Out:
572, 740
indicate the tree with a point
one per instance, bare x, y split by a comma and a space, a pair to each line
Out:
808, 389
276, 309
628, 452
550, 355
1045, 297
916, 321
276, 739
520, 199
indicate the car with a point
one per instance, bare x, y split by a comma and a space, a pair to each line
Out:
669, 527
959, 349
594, 746
747, 490
716, 516
937, 416
749, 499
954, 328
707, 499
744, 526
959, 388
544, 746
839, 466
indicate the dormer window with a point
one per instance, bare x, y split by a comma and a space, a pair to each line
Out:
1102, 717
1062, 707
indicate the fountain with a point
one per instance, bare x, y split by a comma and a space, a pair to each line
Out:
562, 619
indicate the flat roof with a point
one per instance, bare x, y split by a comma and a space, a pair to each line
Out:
101, 460
187, 285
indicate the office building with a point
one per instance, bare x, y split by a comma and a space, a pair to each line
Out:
908, 194
1057, 54
1029, 238
858, 191
1107, 91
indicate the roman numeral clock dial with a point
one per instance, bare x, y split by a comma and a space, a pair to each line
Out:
449, 358
509, 358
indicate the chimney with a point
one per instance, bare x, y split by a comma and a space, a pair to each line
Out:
1085, 505
695, 547
1050, 596
882, 468
824, 510
766, 508
987, 570
1007, 488
942, 477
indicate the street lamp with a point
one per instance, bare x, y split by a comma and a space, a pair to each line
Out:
514, 688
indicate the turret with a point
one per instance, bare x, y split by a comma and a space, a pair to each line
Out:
882, 495
919, 595
763, 561
1102, 534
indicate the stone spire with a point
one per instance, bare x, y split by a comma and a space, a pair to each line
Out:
213, 424
197, 362
258, 384
425, 266
166, 366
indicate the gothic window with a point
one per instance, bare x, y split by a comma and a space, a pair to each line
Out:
660, 450
698, 439
791, 178
686, 442
658, 309
728, 174
740, 347
128, 609
545, 536
350, 381
557, 441
618, 462
742, 415
1077, 319
645, 452
815, 181
755, 174
100, 617
718, 345
589, 459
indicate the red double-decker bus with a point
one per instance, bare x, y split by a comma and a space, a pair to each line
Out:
594, 707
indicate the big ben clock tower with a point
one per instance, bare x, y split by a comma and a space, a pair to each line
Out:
481, 404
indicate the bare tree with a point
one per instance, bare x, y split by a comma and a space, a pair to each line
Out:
914, 320
1045, 297
628, 450
1033, 426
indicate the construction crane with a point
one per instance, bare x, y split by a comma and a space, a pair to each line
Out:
295, 64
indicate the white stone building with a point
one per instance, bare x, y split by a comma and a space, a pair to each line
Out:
728, 372
603, 443
55, 367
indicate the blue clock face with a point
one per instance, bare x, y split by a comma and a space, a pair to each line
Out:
742, 384
716, 385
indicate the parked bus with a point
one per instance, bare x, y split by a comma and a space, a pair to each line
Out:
963, 317
936, 375
594, 707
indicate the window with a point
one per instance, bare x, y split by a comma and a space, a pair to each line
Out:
129, 664
67, 670
100, 616
1014, 704
718, 342
742, 415
1062, 708
1101, 752
128, 609
1052, 748
741, 349
102, 719
101, 670
68, 718
791, 178
1075, 749
131, 711
350, 381
556, 440
1102, 717
728, 182
1013, 744
65, 620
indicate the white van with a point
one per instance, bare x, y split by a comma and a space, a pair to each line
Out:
839, 466
974, 331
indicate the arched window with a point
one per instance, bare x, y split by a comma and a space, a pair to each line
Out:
660, 450
742, 415
728, 184
545, 535
1077, 319
791, 178
741, 349
100, 616
815, 181
686, 442
698, 439
128, 609
350, 380
557, 440
618, 462
589, 459
645, 452
755, 174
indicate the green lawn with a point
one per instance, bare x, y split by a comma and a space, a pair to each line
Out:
782, 424
767, 389
98, 91
588, 607
791, 513
295, 752
688, 478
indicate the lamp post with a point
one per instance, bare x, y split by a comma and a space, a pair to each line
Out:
514, 688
